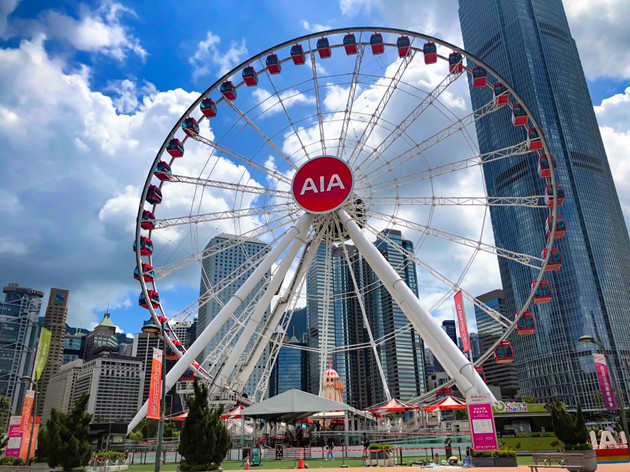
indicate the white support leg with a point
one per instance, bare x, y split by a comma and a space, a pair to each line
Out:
261, 307
228, 309
276, 316
446, 352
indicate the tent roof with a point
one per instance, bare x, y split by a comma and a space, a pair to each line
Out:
392, 406
447, 403
294, 405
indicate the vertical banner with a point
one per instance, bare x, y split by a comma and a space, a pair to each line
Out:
605, 385
481, 419
461, 321
155, 387
14, 442
27, 411
42, 353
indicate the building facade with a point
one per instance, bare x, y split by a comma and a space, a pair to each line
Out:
224, 256
19, 330
102, 338
143, 345
61, 388
55, 321
489, 330
289, 371
528, 42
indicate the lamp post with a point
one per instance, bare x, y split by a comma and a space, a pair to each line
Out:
613, 378
150, 328
31, 383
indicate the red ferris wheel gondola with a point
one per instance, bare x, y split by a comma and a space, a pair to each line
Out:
504, 353
175, 147
228, 90
153, 296
163, 171
147, 273
146, 246
549, 195
148, 220
555, 259
403, 44
190, 126
208, 108
501, 94
542, 292
376, 41
533, 140
350, 44
297, 54
323, 48
480, 77
526, 323
250, 77
544, 169
519, 115
171, 355
273, 64
455, 65
154, 195
561, 227
443, 392
480, 371
430, 53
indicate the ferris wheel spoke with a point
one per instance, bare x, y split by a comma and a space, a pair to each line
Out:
380, 108
260, 133
224, 215
229, 186
446, 169
436, 138
286, 112
272, 225
533, 201
504, 321
323, 335
318, 103
411, 118
271, 173
524, 259
354, 85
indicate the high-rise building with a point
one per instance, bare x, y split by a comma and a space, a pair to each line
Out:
55, 321
448, 326
223, 260
18, 340
61, 388
102, 338
474, 345
182, 331
528, 42
290, 368
73, 347
500, 375
143, 344
114, 384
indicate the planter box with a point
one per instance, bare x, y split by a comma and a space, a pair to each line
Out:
589, 464
14, 468
380, 458
482, 461
505, 462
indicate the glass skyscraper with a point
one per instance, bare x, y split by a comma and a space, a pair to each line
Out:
528, 42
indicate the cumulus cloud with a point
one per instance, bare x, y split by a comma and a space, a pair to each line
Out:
600, 27
208, 59
96, 31
314, 27
271, 104
6, 8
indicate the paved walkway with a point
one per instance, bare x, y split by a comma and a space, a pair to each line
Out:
624, 467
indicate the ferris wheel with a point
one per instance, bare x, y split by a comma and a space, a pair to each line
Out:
315, 149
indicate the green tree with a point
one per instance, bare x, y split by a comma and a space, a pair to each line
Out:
64, 440
570, 428
5, 413
529, 399
204, 439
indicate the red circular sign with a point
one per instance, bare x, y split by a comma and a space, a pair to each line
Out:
322, 184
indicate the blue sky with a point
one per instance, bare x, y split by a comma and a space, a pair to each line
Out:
80, 81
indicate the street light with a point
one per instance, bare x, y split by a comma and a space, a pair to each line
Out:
149, 327
587, 338
31, 382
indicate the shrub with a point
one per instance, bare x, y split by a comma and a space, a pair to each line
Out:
570, 428
507, 452
10, 460
382, 447
136, 435
475, 453
110, 455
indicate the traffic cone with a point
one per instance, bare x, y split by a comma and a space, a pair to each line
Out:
247, 463
301, 461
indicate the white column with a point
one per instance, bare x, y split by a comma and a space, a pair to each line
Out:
446, 352
226, 312
261, 307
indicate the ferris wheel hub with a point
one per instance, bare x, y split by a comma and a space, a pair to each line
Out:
322, 185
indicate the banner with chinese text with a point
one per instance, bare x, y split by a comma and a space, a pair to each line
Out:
155, 387
461, 321
481, 419
605, 385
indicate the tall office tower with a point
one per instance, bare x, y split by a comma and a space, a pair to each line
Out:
448, 326
18, 340
489, 331
182, 329
114, 384
402, 356
73, 346
528, 42
222, 260
55, 321
289, 369
102, 338
61, 388
336, 312
474, 345
143, 344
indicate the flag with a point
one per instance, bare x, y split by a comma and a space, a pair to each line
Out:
27, 411
461, 321
42, 353
155, 387
605, 385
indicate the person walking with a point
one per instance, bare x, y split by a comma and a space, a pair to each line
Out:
331, 446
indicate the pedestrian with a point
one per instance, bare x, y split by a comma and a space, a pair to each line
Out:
331, 446
366, 445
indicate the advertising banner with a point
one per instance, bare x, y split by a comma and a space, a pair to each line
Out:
482, 430
605, 385
27, 411
26, 448
14, 437
155, 387
42, 353
461, 321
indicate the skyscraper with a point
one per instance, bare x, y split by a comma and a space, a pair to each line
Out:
223, 260
18, 340
102, 338
500, 375
55, 321
290, 368
528, 42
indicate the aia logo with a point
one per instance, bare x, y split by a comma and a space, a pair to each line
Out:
322, 184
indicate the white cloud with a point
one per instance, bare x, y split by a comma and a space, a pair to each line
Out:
314, 27
99, 31
613, 111
600, 29
209, 60
270, 105
6, 8
11, 246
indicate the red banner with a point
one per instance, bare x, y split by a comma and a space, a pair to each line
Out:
155, 387
461, 321
27, 411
